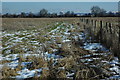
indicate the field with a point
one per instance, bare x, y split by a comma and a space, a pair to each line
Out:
53, 48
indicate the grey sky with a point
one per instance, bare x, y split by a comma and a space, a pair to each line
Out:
78, 7
60, 0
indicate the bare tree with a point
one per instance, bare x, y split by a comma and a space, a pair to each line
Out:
43, 13
31, 15
61, 14
97, 11
23, 15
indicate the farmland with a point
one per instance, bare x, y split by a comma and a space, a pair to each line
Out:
53, 48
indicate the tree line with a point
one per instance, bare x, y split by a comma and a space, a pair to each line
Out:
96, 11
42, 13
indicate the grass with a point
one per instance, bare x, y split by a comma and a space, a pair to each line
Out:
24, 29
32, 25
31, 36
106, 19
14, 24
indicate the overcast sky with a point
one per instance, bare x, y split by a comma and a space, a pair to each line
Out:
77, 7
34, 7
59, 0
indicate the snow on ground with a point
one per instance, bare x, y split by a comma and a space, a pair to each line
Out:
17, 37
25, 73
99, 47
94, 47
13, 40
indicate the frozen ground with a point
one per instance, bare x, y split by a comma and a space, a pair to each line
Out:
22, 39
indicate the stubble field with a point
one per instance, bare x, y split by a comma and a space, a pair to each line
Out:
53, 48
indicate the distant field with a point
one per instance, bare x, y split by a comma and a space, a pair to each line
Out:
12, 24
107, 19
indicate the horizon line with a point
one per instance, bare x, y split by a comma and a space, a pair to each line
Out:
60, 1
